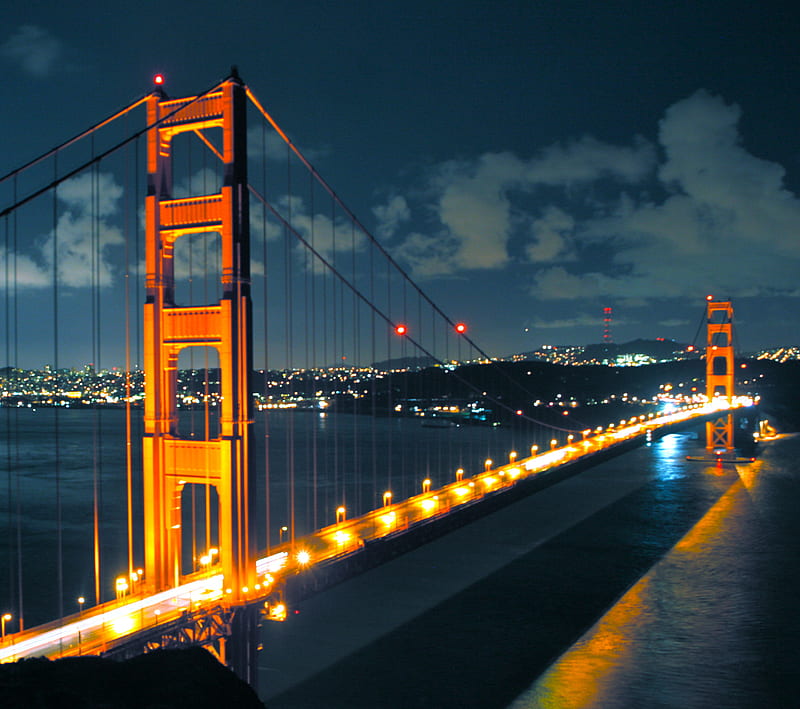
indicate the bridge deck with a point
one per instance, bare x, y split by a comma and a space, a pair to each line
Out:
112, 624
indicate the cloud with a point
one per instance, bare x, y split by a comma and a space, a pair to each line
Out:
34, 49
726, 223
83, 238
566, 323
24, 271
692, 211
267, 143
481, 206
391, 215
552, 234
588, 159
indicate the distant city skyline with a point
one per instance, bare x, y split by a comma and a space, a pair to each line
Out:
528, 164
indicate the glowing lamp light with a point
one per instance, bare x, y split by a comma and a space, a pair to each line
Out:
158, 79
461, 328
400, 329
709, 298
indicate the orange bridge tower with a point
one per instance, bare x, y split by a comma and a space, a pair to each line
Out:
719, 371
170, 461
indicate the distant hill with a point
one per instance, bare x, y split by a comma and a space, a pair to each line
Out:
410, 363
660, 349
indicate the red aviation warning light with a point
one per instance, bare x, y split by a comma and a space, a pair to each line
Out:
158, 79
460, 328
400, 329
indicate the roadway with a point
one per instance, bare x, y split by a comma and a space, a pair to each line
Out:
97, 629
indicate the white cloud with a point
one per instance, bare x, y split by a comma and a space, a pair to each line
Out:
480, 204
391, 215
695, 213
91, 193
566, 323
552, 234
428, 255
588, 159
77, 266
34, 49
84, 238
23, 271
726, 224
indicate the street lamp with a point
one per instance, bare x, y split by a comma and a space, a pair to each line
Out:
426, 485
5, 618
121, 586
281, 532
81, 601
340, 514
553, 443
534, 450
387, 498
487, 464
512, 456
459, 474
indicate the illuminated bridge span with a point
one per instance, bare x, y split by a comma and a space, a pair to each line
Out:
272, 403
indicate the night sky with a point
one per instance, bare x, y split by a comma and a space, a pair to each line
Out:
529, 163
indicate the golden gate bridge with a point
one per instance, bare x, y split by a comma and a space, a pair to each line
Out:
259, 280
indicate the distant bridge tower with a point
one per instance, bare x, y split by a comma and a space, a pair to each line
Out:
719, 370
171, 462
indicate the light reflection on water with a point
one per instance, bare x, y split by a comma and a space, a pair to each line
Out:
700, 629
669, 456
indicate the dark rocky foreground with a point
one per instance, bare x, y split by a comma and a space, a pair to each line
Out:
158, 680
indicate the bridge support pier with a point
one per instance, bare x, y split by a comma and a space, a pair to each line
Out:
231, 634
243, 644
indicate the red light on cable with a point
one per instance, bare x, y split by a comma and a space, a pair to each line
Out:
709, 298
158, 79
461, 328
400, 330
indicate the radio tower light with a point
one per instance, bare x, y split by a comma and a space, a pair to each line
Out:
607, 339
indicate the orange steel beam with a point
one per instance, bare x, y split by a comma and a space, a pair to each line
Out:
170, 462
719, 371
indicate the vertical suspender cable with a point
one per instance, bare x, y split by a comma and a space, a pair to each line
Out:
56, 431
95, 363
288, 313
7, 417
314, 363
21, 614
339, 491
265, 315
307, 379
373, 372
128, 441
355, 362
389, 397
